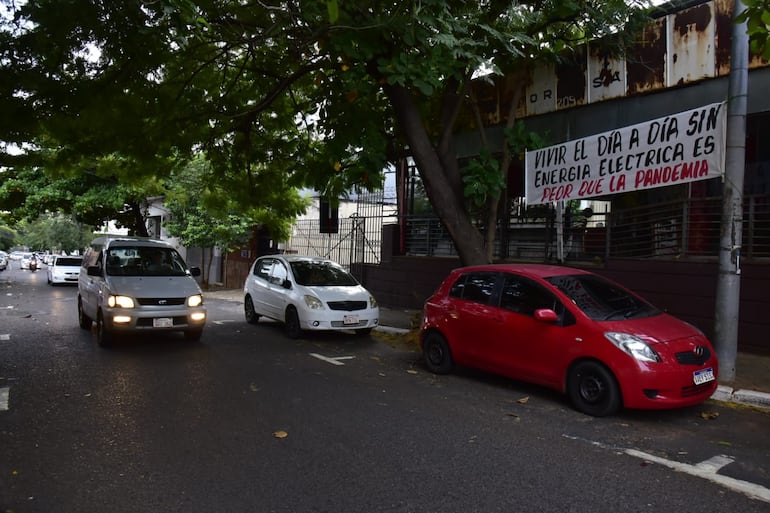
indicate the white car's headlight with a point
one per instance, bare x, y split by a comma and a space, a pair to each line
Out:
372, 302
195, 300
634, 346
120, 301
313, 303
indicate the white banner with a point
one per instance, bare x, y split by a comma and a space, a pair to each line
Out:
676, 149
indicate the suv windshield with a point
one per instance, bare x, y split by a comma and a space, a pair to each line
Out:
321, 274
144, 261
600, 299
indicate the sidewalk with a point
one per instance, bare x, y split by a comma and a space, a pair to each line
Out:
752, 372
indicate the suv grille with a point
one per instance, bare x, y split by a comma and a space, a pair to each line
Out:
161, 301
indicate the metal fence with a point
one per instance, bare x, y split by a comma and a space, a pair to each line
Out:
358, 238
677, 229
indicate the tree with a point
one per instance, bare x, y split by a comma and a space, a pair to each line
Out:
54, 232
202, 215
288, 94
7, 238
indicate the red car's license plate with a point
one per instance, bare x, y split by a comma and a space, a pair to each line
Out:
703, 376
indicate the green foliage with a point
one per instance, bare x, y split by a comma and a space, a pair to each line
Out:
118, 96
54, 233
482, 179
756, 15
519, 139
201, 214
8, 238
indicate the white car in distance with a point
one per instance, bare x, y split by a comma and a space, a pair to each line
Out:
64, 269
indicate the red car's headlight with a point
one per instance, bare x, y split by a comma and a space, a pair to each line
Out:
634, 346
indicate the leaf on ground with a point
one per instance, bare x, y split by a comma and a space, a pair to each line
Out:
254, 387
411, 371
709, 415
280, 434
523, 400
728, 444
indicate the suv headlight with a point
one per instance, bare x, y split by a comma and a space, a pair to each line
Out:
634, 346
120, 301
195, 300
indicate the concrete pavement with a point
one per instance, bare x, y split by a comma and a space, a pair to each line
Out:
751, 387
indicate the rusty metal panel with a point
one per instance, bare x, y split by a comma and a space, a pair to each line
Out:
723, 36
571, 80
646, 62
541, 93
606, 75
691, 39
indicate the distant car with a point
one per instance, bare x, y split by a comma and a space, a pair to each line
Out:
3, 262
567, 329
308, 293
64, 269
25, 260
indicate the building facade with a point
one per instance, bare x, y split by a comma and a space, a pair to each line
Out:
662, 242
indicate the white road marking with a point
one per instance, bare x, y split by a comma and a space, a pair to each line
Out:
708, 470
224, 321
5, 336
333, 361
715, 463
4, 398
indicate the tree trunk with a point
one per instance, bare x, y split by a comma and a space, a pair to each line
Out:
140, 227
438, 171
211, 262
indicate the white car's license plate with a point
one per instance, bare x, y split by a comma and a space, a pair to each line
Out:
703, 376
350, 319
162, 322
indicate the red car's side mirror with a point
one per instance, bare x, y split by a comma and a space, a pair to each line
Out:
546, 315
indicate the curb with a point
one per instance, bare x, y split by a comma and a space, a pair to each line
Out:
390, 329
747, 397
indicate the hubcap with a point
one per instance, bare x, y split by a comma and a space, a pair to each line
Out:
591, 388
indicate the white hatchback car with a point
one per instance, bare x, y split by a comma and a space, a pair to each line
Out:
64, 269
308, 293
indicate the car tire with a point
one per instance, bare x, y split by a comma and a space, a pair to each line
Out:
84, 320
436, 353
193, 335
252, 317
593, 389
291, 324
103, 335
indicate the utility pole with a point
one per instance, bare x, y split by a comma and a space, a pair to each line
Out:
728, 294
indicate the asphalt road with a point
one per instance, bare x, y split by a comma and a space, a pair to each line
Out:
247, 420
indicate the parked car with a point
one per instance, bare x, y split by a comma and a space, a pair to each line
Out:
64, 269
308, 293
134, 285
567, 329
3, 262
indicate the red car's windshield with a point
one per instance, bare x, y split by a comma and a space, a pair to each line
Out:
600, 299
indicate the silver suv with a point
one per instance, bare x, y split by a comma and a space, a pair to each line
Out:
133, 285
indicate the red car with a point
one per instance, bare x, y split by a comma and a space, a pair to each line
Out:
567, 329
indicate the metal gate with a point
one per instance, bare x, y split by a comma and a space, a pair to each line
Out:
357, 242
